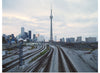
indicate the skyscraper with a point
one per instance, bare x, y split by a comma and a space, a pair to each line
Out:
25, 35
29, 34
90, 39
34, 38
70, 40
62, 40
51, 31
79, 39
22, 31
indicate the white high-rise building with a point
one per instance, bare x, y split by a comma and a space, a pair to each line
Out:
79, 39
40, 38
22, 31
90, 39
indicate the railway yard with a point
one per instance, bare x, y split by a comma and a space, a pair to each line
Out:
48, 57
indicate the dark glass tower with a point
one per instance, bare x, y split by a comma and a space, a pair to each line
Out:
29, 34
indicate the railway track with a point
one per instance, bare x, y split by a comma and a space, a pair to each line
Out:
15, 53
30, 54
61, 67
45, 59
38, 63
43, 63
4, 57
69, 64
4, 65
47, 67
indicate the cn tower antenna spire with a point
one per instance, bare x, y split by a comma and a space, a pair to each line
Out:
51, 4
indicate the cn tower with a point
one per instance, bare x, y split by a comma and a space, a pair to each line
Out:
51, 31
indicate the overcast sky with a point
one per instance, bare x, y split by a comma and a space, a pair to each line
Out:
71, 18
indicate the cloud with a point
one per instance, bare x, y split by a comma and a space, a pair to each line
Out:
18, 17
70, 17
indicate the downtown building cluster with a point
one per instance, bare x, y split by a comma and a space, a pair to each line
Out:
79, 40
25, 36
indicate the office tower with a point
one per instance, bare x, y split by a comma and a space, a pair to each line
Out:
90, 39
29, 34
62, 40
79, 39
22, 31
34, 38
70, 40
40, 38
18, 36
26, 35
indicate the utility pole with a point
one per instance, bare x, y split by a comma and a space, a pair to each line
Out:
20, 53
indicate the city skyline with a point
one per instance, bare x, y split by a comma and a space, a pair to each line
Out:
26, 35
67, 22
